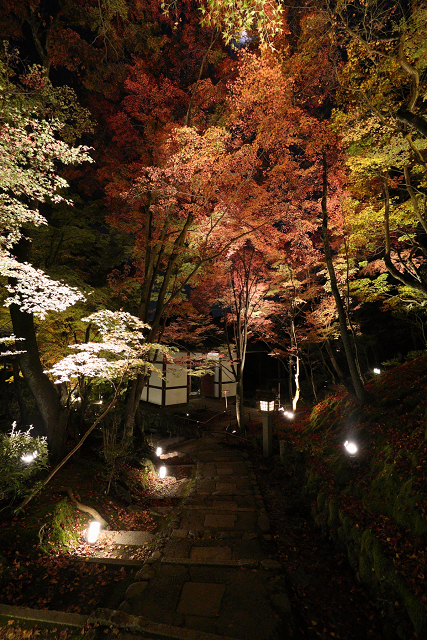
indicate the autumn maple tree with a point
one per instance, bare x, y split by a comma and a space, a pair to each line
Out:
381, 119
209, 129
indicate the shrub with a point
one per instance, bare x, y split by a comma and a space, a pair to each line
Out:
21, 457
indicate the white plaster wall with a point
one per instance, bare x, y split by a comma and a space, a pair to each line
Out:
176, 396
155, 396
230, 387
176, 376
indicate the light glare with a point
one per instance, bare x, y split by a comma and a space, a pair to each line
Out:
162, 472
159, 451
29, 457
93, 531
350, 447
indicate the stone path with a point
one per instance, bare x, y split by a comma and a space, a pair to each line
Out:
216, 576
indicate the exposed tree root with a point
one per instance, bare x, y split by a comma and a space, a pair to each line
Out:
86, 509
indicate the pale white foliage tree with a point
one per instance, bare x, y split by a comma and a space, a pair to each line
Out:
29, 155
34, 291
121, 351
30, 151
12, 339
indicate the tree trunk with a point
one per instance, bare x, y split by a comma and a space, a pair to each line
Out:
47, 399
132, 403
337, 368
359, 390
239, 401
417, 122
290, 386
297, 387
326, 366
313, 385
17, 388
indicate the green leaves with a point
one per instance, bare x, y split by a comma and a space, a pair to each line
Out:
21, 457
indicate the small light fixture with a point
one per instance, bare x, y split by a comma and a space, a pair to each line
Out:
266, 405
351, 448
93, 531
29, 457
159, 451
162, 472
289, 414
376, 371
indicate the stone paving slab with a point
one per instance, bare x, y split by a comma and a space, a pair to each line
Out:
239, 468
220, 506
225, 487
222, 521
224, 471
201, 599
209, 554
247, 501
244, 483
178, 548
225, 505
161, 598
186, 549
187, 562
208, 470
217, 456
129, 538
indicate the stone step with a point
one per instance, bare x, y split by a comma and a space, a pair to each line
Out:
195, 507
120, 562
139, 624
126, 538
245, 562
43, 615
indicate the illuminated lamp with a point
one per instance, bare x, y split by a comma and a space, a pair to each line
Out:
93, 531
351, 448
29, 457
266, 405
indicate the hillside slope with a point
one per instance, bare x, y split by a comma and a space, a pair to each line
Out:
372, 504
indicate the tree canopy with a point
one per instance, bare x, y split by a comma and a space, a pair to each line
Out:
149, 149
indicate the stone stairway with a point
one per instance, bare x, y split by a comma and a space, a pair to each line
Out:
216, 575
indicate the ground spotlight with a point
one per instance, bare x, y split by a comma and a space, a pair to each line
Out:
162, 472
29, 457
93, 531
351, 448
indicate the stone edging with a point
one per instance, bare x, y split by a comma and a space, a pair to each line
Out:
43, 615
